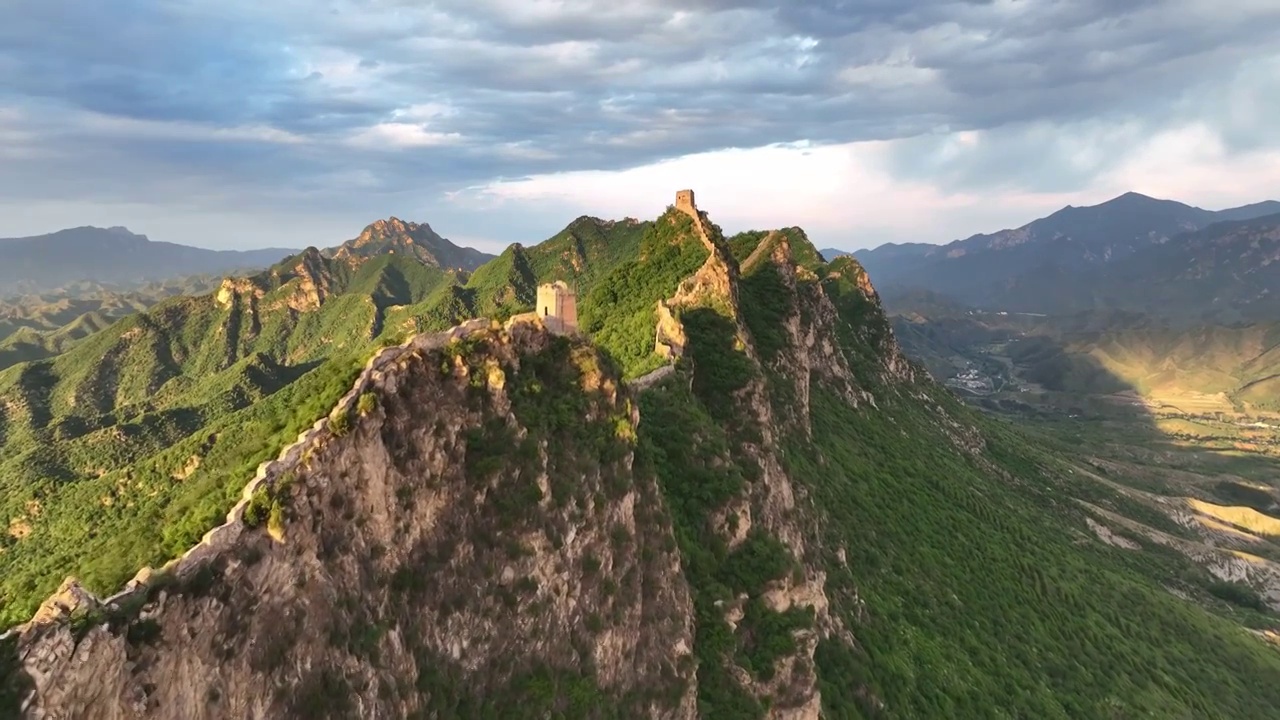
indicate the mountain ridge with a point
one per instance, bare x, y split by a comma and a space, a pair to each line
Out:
114, 255
1063, 262
829, 506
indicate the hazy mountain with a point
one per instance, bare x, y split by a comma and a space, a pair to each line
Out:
1227, 271
888, 250
112, 256
1248, 212
1054, 264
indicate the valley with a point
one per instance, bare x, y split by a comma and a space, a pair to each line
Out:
1155, 477
1173, 419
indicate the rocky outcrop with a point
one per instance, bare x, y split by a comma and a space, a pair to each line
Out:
670, 338
1108, 536
774, 503
312, 282
235, 289
1235, 566
437, 544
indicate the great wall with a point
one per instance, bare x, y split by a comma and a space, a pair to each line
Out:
72, 596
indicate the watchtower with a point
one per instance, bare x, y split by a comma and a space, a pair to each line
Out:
558, 307
684, 202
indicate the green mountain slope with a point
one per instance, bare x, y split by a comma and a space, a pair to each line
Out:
951, 548
853, 539
582, 253
145, 425
205, 387
37, 326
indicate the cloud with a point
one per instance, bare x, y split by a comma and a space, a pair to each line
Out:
366, 106
855, 196
394, 135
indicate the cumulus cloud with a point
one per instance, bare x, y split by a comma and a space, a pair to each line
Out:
377, 106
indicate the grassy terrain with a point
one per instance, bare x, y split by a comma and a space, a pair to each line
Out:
1054, 629
1166, 464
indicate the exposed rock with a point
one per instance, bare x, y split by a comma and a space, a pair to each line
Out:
1105, 534
417, 566
670, 340
233, 290
1240, 567
312, 284
70, 599
414, 240
771, 501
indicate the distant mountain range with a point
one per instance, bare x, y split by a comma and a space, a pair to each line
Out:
119, 259
77, 282
1132, 252
112, 256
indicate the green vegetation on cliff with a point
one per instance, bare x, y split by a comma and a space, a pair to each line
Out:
619, 311
977, 597
124, 449
961, 573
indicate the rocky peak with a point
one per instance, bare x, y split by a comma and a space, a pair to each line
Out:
773, 506
400, 558
392, 228
417, 240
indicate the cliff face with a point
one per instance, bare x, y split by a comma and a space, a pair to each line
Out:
467, 531
752, 341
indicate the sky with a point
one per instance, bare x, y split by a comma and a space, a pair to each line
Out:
251, 123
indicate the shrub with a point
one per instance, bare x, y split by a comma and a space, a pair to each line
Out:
339, 423
144, 632
1238, 594
368, 403
259, 507
275, 521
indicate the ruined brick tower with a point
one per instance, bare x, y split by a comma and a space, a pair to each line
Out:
684, 202
558, 307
